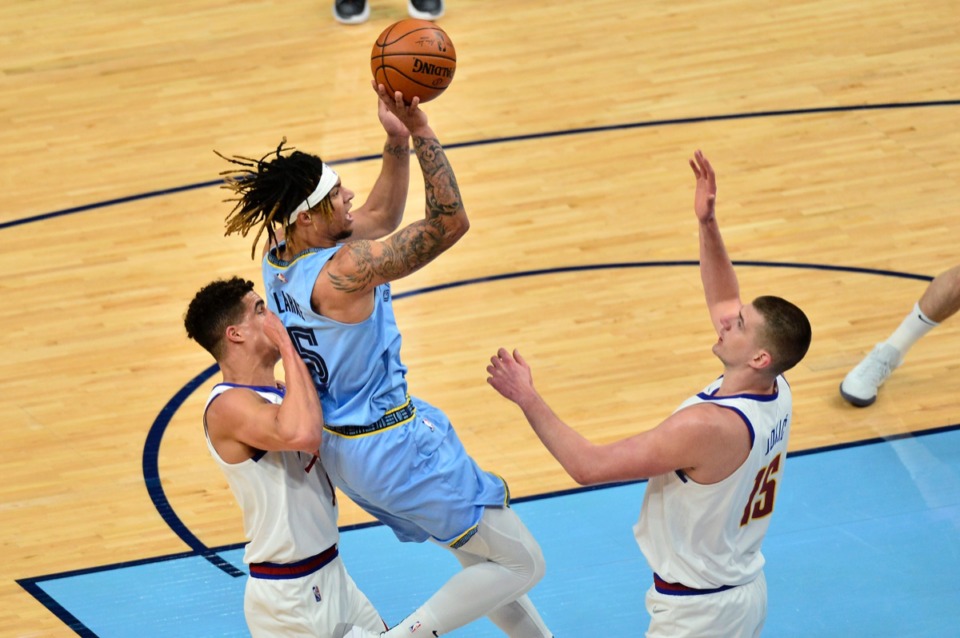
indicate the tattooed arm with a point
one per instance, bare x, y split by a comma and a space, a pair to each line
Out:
344, 288
382, 213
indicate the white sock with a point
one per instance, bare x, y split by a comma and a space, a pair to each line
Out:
501, 562
914, 326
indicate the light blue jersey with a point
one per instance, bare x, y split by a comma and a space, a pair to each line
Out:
356, 367
394, 455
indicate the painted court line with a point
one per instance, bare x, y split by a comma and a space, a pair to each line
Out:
865, 542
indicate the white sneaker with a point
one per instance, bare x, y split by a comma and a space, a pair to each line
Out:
351, 11
346, 630
860, 385
425, 9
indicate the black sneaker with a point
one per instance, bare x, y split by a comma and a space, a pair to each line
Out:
351, 11
425, 9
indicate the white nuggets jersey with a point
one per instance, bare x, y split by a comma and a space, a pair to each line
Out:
289, 511
709, 536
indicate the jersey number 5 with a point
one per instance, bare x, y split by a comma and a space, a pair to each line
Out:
305, 342
760, 503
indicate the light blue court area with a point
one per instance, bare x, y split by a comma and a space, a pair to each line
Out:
865, 541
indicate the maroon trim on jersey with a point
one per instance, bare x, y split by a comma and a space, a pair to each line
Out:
283, 571
676, 589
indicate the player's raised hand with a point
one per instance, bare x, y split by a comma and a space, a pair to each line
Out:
511, 376
274, 330
390, 122
705, 198
392, 111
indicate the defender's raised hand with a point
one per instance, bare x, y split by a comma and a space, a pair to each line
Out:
511, 376
704, 200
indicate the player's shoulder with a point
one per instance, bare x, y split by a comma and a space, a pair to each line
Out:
238, 407
706, 414
230, 398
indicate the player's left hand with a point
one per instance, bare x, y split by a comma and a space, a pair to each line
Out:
705, 198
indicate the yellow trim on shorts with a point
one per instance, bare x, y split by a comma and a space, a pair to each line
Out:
463, 538
384, 429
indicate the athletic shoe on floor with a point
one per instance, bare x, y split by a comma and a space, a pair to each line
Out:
351, 11
425, 9
862, 383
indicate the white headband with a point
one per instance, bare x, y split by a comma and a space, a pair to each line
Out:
328, 179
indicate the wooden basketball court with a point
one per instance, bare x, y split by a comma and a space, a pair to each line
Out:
832, 126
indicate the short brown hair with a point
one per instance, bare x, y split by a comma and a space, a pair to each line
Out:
786, 331
215, 306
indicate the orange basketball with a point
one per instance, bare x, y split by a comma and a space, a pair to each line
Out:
415, 57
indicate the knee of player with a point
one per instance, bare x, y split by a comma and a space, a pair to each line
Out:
539, 567
535, 567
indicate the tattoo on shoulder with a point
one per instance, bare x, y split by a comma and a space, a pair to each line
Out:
361, 254
406, 251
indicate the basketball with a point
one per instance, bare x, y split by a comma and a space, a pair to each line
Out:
415, 57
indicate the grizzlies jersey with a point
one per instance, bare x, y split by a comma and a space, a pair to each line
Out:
395, 456
709, 536
356, 367
288, 503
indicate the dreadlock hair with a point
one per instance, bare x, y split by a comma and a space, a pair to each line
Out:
269, 190
215, 306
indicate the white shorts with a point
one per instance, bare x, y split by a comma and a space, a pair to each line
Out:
308, 606
738, 612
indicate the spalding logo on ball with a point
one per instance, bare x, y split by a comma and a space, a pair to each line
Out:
415, 57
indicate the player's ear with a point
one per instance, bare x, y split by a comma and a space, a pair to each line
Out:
233, 334
761, 359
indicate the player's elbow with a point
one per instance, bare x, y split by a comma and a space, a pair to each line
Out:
594, 465
460, 226
313, 440
454, 228
581, 479
307, 436
583, 473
